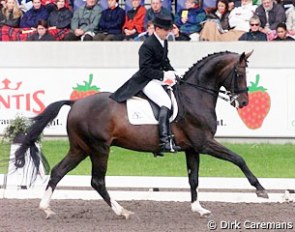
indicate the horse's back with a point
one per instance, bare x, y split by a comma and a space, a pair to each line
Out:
94, 115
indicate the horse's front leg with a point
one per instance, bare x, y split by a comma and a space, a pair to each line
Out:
217, 150
99, 169
192, 161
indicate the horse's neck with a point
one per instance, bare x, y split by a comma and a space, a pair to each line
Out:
198, 90
194, 100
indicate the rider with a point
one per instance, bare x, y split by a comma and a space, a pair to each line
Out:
155, 71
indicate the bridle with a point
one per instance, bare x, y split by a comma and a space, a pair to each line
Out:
232, 93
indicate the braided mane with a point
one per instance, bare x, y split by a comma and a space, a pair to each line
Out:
200, 63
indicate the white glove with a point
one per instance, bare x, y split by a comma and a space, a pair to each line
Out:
169, 78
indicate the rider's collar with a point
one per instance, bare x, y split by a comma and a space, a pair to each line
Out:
160, 40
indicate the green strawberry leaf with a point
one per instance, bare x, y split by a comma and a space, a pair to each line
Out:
254, 86
87, 85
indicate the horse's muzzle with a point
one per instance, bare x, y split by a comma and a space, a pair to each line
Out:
238, 101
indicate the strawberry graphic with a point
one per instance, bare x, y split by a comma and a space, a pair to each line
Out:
85, 90
259, 105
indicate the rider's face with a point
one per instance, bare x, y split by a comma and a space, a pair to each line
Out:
162, 33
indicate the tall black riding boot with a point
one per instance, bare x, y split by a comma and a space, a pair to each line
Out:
166, 140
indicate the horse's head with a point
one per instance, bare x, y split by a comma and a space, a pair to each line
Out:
225, 69
236, 82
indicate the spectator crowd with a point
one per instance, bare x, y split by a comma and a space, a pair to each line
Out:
228, 20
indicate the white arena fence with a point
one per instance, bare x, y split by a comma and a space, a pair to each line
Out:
16, 185
126, 188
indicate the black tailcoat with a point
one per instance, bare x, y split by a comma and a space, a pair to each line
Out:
153, 60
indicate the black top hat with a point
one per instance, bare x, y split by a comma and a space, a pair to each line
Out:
163, 22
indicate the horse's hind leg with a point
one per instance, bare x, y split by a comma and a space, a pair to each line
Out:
99, 169
217, 150
72, 159
192, 162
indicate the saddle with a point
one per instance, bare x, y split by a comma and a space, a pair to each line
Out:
143, 111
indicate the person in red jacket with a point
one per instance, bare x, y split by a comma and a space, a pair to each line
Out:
134, 21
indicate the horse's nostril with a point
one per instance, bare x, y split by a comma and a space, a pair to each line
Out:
244, 103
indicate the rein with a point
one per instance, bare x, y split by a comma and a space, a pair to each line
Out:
232, 93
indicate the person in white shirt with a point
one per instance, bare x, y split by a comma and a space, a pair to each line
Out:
290, 22
239, 19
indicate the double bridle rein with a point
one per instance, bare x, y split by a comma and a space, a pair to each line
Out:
233, 93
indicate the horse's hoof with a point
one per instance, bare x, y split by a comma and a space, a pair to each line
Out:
205, 213
126, 213
49, 213
196, 207
262, 193
287, 197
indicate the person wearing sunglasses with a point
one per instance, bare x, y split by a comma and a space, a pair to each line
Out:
254, 33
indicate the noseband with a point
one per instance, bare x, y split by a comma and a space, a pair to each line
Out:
234, 91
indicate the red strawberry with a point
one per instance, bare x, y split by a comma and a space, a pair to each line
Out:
259, 105
85, 90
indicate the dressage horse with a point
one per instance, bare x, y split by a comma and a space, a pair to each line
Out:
97, 122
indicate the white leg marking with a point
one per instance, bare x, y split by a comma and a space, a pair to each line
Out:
119, 210
45, 202
196, 207
116, 207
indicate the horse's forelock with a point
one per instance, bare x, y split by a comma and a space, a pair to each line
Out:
200, 63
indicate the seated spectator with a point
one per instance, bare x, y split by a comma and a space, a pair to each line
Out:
270, 15
84, 24
25, 5
236, 3
31, 17
156, 9
60, 17
281, 31
189, 20
51, 5
111, 23
2, 4
134, 21
239, 19
254, 34
217, 22
149, 31
10, 14
176, 35
290, 22
42, 33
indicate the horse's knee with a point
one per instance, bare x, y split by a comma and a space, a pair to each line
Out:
98, 183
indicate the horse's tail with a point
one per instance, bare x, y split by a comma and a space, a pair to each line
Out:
35, 130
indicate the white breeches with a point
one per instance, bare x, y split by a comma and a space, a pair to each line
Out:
154, 91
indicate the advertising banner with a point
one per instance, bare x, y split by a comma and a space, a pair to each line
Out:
270, 113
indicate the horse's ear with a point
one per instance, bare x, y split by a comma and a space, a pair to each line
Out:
245, 56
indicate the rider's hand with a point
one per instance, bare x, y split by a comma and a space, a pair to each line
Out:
169, 78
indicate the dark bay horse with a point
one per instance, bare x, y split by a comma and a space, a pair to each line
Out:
96, 123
